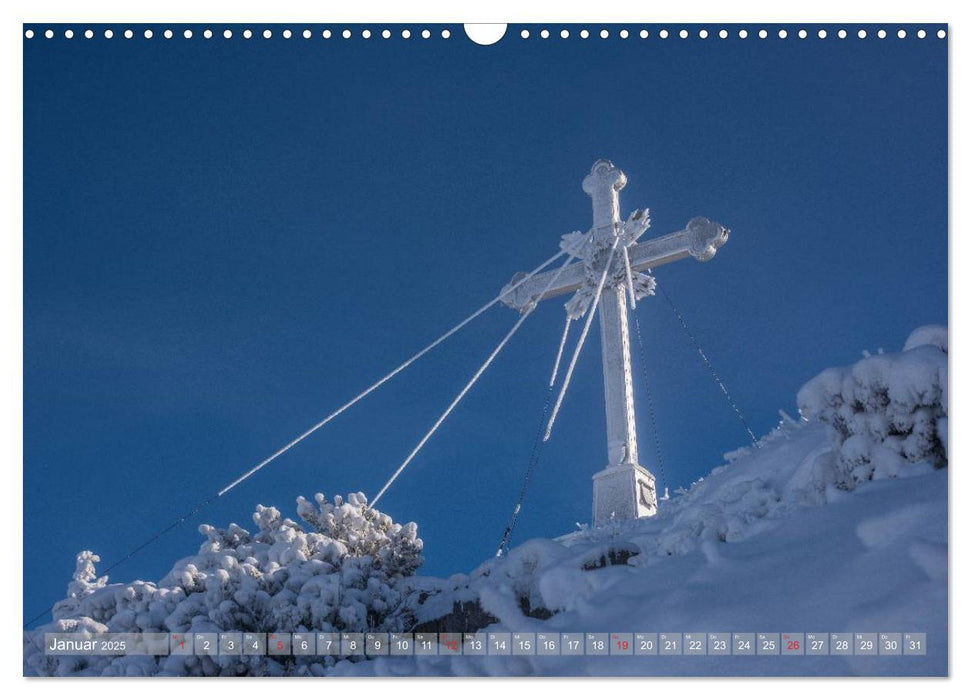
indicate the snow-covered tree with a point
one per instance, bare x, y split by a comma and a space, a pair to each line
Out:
888, 411
340, 571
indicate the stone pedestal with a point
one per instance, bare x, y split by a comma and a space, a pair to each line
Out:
623, 492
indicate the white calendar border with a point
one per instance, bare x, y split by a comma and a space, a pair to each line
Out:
11, 277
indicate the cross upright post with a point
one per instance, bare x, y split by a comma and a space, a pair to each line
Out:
624, 489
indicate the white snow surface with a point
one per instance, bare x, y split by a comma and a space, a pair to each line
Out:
836, 522
755, 547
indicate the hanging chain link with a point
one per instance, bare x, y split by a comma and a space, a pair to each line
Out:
530, 469
650, 403
711, 369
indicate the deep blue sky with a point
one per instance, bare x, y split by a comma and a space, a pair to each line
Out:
225, 240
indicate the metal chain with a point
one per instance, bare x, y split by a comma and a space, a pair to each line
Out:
530, 469
650, 402
711, 369
158, 535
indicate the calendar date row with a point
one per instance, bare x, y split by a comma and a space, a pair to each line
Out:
375, 644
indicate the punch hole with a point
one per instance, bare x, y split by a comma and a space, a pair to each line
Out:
488, 34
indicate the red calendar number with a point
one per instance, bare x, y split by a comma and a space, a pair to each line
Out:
793, 645
622, 644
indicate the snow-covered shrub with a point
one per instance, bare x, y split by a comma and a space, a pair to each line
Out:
888, 411
341, 571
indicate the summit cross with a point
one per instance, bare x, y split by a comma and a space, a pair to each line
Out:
611, 261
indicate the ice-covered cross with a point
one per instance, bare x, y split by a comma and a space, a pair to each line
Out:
611, 262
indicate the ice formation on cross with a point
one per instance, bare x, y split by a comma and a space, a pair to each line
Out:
611, 265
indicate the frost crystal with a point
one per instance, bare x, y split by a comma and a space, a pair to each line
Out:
341, 571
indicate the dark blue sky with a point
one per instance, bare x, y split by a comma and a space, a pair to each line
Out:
225, 240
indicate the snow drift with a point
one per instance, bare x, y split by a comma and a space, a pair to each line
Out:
835, 522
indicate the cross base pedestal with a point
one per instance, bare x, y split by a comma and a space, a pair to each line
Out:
623, 492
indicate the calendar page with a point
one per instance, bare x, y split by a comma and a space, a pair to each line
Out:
540, 349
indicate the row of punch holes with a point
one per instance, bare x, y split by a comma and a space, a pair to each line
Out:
524, 34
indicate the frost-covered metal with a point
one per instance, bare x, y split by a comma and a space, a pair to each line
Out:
624, 489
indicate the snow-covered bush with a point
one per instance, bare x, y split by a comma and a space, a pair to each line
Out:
342, 571
888, 411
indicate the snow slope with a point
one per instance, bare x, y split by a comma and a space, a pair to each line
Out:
836, 522
871, 560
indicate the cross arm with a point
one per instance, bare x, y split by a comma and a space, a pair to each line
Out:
700, 239
535, 289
